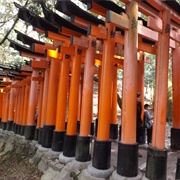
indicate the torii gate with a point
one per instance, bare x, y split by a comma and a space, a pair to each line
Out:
158, 143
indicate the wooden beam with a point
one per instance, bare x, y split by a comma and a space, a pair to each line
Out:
26, 73
38, 78
147, 48
83, 42
40, 48
172, 44
99, 32
96, 8
119, 20
80, 21
31, 55
25, 68
42, 64
155, 23
58, 37
119, 38
145, 9
161, 6
38, 30
148, 33
67, 50
69, 32
175, 35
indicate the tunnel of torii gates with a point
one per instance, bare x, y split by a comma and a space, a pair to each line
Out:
60, 76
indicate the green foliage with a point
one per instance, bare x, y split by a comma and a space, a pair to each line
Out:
9, 22
149, 69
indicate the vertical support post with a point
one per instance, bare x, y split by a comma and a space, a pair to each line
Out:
140, 89
83, 140
19, 110
114, 125
40, 97
30, 124
59, 132
5, 110
21, 127
49, 125
102, 145
79, 103
157, 154
1, 106
25, 107
11, 109
44, 104
70, 137
15, 125
175, 130
99, 95
127, 164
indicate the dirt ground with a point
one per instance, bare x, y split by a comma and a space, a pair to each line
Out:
14, 166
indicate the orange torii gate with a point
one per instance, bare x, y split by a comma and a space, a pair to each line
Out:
163, 37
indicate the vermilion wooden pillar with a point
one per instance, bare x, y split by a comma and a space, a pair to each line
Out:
127, 164
70, 137
59, 132
21, 128
44, 104
39, 110
19, 109
15, 125
140, 88
49, 124
1, 106
25, 107
140, 76
113, 124
11, 109
83, 140
79, 104
157, 154
99, 95
175, 130
5, 110
102, 145
30, 123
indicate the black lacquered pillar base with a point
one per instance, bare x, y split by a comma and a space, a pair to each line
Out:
47, 136
10, 125
29, 132
178, 169
175, 142
78, 127
69, 148
40, 135
92, 129
101, 155
119, 132
4, 125
22, 130
58, 140
82, 149
114, 131
15, 128
156, 167
19, 129
36, 134
127, 162
96, 126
